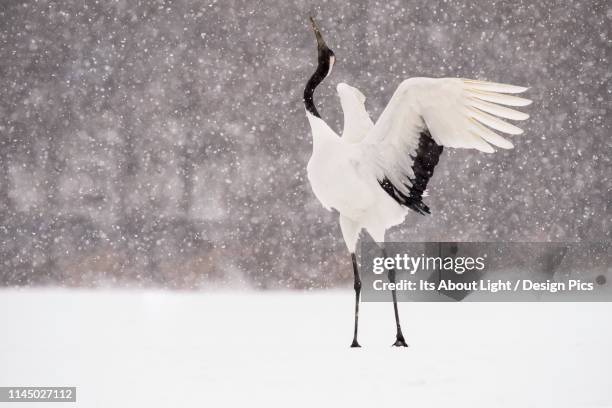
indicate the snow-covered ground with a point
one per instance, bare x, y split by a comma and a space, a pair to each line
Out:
169, 349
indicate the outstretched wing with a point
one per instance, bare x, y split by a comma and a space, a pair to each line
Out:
426, 114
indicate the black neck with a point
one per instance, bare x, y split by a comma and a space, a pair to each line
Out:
312, 83
316, 78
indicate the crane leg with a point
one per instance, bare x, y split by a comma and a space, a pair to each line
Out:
357, 287
399, 336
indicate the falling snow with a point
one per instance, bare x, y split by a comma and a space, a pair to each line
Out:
164, 143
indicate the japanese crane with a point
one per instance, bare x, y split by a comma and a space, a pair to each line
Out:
377, 172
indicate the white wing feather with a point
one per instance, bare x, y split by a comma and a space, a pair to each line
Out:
357, 122
453, 110
457, 113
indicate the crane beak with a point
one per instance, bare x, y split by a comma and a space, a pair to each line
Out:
320, 43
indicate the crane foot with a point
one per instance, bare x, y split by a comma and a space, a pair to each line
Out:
400, 342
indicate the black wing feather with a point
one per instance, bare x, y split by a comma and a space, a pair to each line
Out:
425, 160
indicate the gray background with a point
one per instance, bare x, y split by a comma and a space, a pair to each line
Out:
164, 143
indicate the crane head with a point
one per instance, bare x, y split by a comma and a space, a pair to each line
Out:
326, 55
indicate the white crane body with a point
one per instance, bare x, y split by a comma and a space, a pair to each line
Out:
345, 172
376, 172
